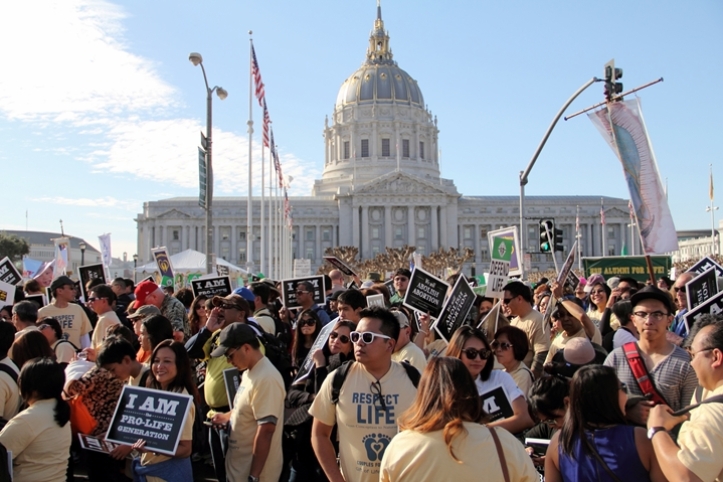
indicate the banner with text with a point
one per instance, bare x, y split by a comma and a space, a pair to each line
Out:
509, 233
289, 286
632, 266
499, 267
706, 264
456, 308
425, 293
210, 287
8, 272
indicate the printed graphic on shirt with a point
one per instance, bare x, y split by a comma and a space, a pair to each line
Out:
375, 445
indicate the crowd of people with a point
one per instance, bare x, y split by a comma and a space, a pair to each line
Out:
614, 384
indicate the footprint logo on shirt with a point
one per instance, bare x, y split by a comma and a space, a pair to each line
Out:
375, 444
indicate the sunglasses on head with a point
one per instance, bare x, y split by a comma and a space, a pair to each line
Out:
367, 337
307, 322
472, 353
342, 338
504, 346
227, 306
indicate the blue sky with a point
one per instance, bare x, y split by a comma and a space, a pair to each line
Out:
100, 109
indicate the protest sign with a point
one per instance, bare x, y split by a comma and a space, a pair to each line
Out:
456, 308
376, 300
630, 266
496, 404
88, 273
499, 267
163, 261
221, 270
96, 444
701, 288
572, 280
493, 314
390, 286
40, 300
510, 234
232, 380
32, 267
302, 267
210, 287
289, 291
321, 339
704, 265
340, 265
712, 306
7, 294
567, 267
8, 272
156, 416
425, 293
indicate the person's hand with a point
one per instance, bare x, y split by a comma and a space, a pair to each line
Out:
638, 413
121, 452
221, 419
424, 322
556, 290
90, 354
319, 358
614, 297
178, 335
662, 416
140, 446
214, 321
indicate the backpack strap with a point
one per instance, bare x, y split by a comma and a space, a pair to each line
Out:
338, 380
11, 373
640, 372
412, 373
62, 340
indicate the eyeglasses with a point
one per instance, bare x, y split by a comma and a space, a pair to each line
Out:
227, 306
376, 389
504, 346
301, 292
342, 338
472, 353
506, 301
679, 289
43, 326
367, 337
229, 354
701, 350
552, 421
655, 315
623, 387
307, 322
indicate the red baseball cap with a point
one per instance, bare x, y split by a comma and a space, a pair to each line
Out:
144, 289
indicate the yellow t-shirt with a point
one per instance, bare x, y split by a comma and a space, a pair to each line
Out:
40, 447
9, 393
186, 434
413, 456
538, 342
701, 440
72, 319
365, 428
261, 394
413, 354
64, 351
104, 321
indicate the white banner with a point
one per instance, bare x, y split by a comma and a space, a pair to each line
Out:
62, 257
105, 254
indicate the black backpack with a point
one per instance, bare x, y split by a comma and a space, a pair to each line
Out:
341, 373
277, 352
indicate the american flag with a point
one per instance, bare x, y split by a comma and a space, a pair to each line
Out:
267, 121
630, 208
277, 164
260, 92
602, 214
577, 224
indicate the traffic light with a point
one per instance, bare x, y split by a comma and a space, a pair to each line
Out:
558, 239
612, 74
547, 226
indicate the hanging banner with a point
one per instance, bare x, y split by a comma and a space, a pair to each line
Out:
61, 257
105, 255
632, 266
623, 128
163, 261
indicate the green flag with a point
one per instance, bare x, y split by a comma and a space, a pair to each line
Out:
624, 250
502, 249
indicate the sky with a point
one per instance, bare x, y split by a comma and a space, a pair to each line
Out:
100, 109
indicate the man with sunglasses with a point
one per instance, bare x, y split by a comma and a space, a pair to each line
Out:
101, 300
305, 298
678, 327
72, 318
375, 392
518, 299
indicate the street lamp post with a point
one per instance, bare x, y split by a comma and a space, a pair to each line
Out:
82, 247
196, 59
135, 265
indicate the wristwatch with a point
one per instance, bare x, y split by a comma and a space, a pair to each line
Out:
253, 479
653, 430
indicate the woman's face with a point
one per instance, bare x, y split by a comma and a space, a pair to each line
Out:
201, 312
474, 365
339, 341
164, 366
307, 325
598, 296
144, 339
49, 334
543, 303
46, 277
503, 350
556, 325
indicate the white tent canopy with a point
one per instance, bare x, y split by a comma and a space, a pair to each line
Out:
190, 261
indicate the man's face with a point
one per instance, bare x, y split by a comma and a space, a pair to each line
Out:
121, 370
512, 302
304, 296
118, 288
679, 289
379, 349
98, 305
230, 313
569, 323
704, 358
156, 298
347, 313
651, 318
400, 283
239, 357
65, 293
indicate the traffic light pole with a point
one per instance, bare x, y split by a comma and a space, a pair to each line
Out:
551, 240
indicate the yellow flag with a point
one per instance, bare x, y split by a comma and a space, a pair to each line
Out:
711, 185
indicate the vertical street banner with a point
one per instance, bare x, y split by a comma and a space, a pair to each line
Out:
701, 288
8, 272
456, 308
425, 293
88, 273
623, 128
499, 267
202, 176
509, 233
105, 254
705, 264
210, 287
165, 268
61, 256
288, 288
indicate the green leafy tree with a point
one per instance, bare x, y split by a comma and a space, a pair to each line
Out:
13, 247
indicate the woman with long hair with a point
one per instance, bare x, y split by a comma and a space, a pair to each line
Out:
39, 437
197, 314
595, 442
154, 330
170, 371
443, 436
30, 345
470, 345
308, 326
510, 348
599, 294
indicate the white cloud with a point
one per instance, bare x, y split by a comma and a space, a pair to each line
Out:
103, 202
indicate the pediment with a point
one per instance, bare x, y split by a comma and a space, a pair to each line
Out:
616, 213
400, 183
173, 214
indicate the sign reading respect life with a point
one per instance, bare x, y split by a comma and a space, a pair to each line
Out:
156, 416
499, 267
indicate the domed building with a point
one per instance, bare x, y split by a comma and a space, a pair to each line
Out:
381, 187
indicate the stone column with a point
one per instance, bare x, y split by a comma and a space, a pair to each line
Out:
443, 228
435, 228
356, 240
234, 245
388, 225
411, 235
317, 243
365, 231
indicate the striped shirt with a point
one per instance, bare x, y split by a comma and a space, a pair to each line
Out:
673, 377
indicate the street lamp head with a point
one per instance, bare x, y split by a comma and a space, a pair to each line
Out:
82, 246
195, 58
221, 92
135, 257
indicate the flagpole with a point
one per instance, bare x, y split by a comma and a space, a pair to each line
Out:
262, 237
602, 228
712, 210
578, 236
249, 204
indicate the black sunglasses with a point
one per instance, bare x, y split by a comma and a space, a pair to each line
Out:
342, 338
307, 323
472, 353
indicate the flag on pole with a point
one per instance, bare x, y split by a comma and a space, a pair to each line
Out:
260, 92
577, 223
711, 184
267, 121
602, 213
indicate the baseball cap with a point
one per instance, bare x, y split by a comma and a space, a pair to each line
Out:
234, 335
245, 293
653, 293
144, 289
59, 282
235, 300
144, 312
594, 279
401, 318
579, 351
335, 295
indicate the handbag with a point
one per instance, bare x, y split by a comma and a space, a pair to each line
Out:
81, 421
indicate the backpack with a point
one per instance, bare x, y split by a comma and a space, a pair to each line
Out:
11, 373
66, 341
341, 373
277, 353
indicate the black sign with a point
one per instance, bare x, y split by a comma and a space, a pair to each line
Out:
289, 291
701, 288
425, 293
390, 286
156, 416
496, 404
712, 306
705, 264
38, 299
210, 287
321, 339
88, 273
96, 444
232, 380
567, 267
9, 273
339, 264
455, 310
572, 280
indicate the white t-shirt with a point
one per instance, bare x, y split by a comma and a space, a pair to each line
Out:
72, 319
105, 320
623, 336
497, 393
412, 354
365, 428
